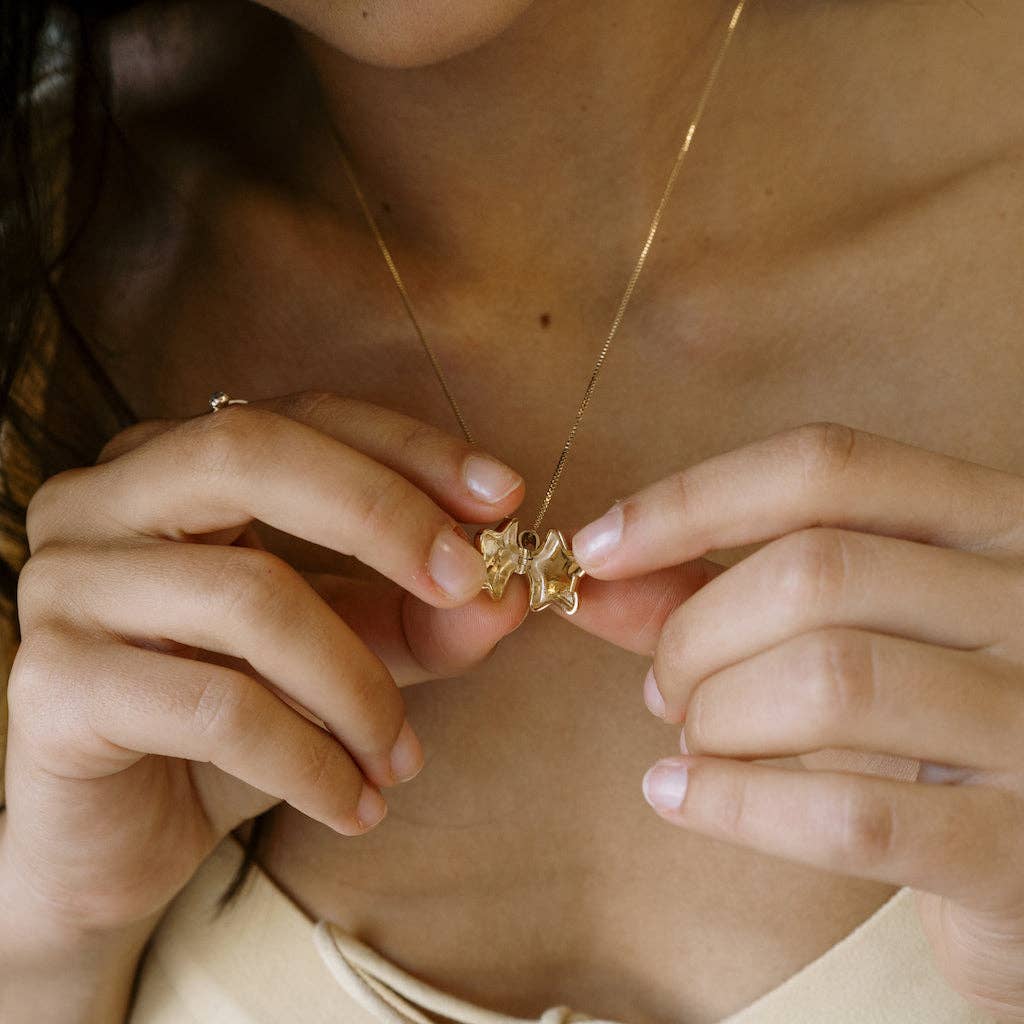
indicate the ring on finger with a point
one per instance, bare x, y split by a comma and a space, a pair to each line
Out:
219, 399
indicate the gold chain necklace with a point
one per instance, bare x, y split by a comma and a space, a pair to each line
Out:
551, 569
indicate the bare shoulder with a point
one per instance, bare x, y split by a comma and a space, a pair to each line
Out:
974, 43
890, 101
963, 59
948, 66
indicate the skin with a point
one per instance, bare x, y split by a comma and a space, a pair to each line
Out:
848, 242
847, 610
392, 34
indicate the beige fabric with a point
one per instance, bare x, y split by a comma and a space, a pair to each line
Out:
262, 961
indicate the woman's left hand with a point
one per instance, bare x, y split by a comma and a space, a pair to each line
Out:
884, 614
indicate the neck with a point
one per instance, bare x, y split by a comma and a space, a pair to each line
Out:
523, 158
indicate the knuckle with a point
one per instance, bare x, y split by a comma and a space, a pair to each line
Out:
49, 579
310, 405
226, 708
825, 451
38, 678
39, 583
839, 678
47, 507
226, 442
735, 809
670, 501
254, 585
381, 505
679, 493
36, 513
866, 829
814, 567
421, 444
377, 692
318, 767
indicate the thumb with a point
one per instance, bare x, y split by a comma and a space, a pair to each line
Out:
414, 640
631, 613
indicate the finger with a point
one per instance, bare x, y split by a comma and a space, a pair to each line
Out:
858, 690
826, 577
468, 482
949, 840
225, 469
126, 702
246, 604
632, 613
820, 474
416, 641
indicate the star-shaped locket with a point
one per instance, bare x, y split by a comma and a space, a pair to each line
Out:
550, 568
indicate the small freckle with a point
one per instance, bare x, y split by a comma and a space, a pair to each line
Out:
366, 14
386, 207
545, 319
769, 191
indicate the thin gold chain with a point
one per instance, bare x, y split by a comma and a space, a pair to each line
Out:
386, 253
620, 313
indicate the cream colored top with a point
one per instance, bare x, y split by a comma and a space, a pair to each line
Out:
262, 961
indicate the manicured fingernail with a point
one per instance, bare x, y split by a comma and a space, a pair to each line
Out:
455, 566
406, 754
652, 695
665, 785
596, 541
489, 479
371, 807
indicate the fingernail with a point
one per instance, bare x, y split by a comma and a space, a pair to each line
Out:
455, 565
371, 807
665, 785
596, 541
489, 479
652, 695
683, 749
406, 754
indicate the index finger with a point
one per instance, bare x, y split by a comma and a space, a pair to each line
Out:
466, 481
820, 474
222, 470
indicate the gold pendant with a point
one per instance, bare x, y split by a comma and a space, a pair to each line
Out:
550, 568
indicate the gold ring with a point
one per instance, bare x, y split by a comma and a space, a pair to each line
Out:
219, 399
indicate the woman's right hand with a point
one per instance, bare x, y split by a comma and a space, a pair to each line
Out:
156, 699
